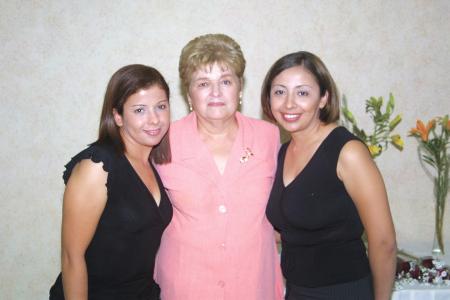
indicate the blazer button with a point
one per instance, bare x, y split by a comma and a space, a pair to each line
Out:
222, 209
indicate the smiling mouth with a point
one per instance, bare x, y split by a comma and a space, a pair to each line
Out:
291, 117
153, 132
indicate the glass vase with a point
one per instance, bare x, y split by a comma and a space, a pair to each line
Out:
437, 252
440, 192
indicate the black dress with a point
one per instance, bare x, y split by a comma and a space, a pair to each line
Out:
319, 225
121, 256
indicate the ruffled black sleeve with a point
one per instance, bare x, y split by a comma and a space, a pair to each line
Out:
96, 153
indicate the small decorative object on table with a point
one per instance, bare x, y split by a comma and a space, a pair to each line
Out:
382, 135
433, 145
426, 271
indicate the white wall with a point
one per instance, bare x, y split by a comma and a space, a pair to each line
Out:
57, 56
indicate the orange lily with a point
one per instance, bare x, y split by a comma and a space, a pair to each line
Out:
448, 125
422, 130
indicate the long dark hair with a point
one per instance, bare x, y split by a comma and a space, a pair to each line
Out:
125, 82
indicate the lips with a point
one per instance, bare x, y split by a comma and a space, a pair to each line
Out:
153, 132
215, 104
291, 117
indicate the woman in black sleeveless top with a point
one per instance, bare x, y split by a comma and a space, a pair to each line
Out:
327, 191
115, 206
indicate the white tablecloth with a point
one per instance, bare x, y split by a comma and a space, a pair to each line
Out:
420, 292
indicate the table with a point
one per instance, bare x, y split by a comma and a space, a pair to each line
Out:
422, 292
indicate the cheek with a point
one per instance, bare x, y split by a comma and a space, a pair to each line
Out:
165, 117
274, 106
197, 96
309, 105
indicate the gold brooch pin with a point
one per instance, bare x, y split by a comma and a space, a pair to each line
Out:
247, 154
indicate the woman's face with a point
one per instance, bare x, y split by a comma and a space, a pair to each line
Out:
145, 118
214, 93
295, 99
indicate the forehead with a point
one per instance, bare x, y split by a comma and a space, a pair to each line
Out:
297, 74
154, 93
216, 69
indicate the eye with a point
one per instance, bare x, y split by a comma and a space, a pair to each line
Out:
226, 82
162, 106
278, 92
139, 110
203, 84
303, 93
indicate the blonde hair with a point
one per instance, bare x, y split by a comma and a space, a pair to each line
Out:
204, 51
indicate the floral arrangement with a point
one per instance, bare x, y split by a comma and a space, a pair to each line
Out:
384, 125
425, 271
433, 150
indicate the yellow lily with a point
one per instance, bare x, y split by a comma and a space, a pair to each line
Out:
374, 150
397, 141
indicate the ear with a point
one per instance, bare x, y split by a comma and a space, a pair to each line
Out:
117, 118
189, 100
323, 100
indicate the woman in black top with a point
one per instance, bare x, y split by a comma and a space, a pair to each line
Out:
327, 190
115, 207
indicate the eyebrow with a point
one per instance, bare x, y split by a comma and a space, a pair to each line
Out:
163, 100
297, 86
225, 74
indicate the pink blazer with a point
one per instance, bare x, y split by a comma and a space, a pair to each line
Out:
219, 244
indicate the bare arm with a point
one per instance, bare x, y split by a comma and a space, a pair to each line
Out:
365, 186
84, 201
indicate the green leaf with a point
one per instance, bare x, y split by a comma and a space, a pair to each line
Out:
348, 115
390, 105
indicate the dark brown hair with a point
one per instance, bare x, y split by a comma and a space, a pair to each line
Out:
313, 64
124, 83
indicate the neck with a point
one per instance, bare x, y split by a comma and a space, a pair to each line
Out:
308, 135
138, 156
217, 129
136, 152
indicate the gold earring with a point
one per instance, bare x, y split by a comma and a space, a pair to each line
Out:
240, 98
190, 106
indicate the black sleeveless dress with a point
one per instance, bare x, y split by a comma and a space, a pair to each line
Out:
319, 225
121, 256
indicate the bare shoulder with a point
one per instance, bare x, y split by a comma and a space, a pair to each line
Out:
354, 160
87, 167
354, 151
88, 174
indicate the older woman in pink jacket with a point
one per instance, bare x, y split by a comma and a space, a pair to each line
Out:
219, 244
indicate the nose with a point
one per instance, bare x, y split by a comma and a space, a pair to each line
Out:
290, 101
215, 89
153, 117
